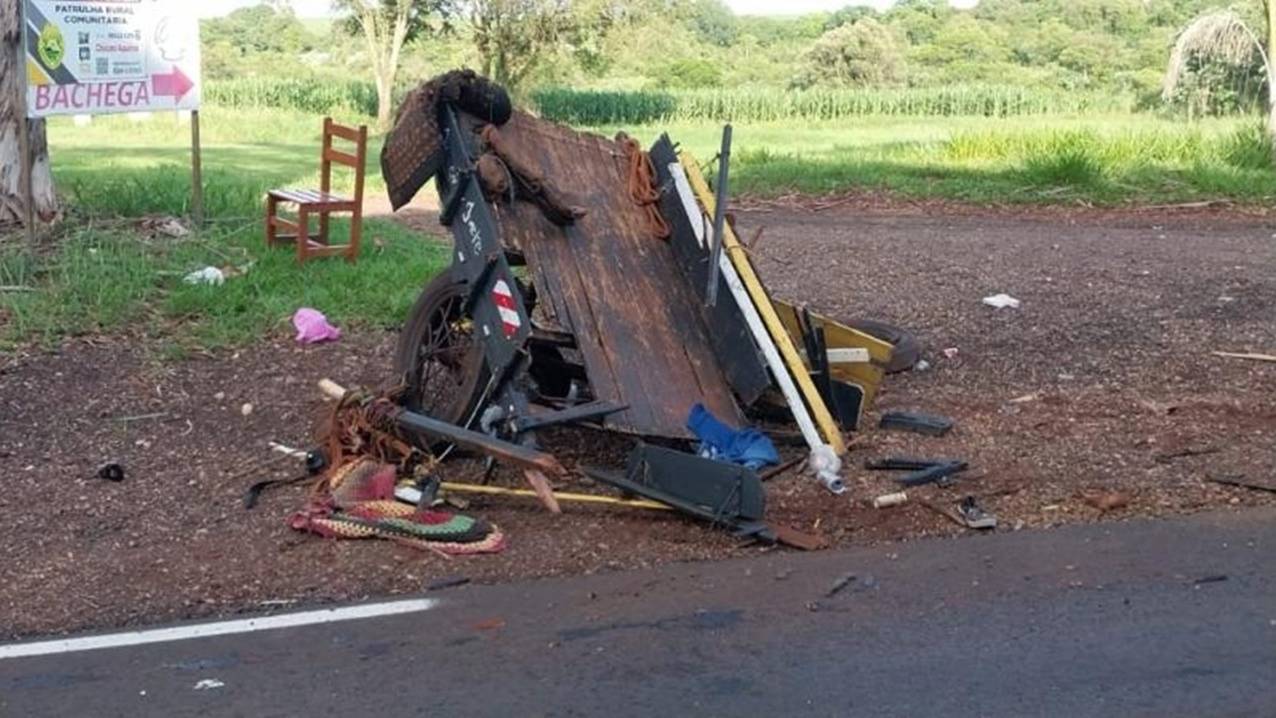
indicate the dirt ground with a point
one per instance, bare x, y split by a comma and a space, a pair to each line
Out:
1102, 382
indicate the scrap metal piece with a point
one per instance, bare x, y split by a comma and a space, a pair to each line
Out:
572, 415
926, 424
719, 217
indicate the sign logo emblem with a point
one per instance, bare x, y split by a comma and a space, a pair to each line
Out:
51, 46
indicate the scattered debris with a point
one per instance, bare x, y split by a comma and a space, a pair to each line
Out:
140, 417
924, 471
951, 353
16, 288
917, 423
1167, 457
1106, 500
445, 583
826, 465
211, 276
246, 410
209, 684
975, 516
1027, 398
1217, 578
1002, 301
890, 500
313, 327
840, 585
111, 472
490, 624
781, 469
1268, 358
164, 226
1242, 482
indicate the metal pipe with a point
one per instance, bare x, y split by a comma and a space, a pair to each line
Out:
719, 218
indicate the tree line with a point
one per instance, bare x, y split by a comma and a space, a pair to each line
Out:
1111, 46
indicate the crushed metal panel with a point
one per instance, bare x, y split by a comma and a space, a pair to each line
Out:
609, 280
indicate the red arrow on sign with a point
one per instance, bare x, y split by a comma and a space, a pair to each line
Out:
175, 84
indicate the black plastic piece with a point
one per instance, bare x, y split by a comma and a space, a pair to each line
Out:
721, 493
925, 471
917, 423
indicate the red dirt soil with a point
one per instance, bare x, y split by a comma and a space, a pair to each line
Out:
1094, 386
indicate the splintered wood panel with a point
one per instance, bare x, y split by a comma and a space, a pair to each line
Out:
609, 280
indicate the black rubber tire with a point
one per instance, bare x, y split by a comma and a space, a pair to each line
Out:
466, 371
908, 350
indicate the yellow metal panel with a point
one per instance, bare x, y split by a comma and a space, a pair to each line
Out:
839, 336
779, 334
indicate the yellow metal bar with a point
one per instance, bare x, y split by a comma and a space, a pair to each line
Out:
561, 496
819, 411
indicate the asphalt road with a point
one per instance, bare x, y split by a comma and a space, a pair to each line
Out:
1148, 618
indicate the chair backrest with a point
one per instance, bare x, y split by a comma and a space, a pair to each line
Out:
356, 161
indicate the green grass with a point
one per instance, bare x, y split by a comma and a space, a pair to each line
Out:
1101, 160
104, 276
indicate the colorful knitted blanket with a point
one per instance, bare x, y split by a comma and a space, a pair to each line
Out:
357, 501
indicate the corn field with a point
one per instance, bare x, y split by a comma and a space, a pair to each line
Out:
314, 95
597, 107
586, 107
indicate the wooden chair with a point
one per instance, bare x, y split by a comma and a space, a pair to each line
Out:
322, 202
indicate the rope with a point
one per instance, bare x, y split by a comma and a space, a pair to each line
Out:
641, 177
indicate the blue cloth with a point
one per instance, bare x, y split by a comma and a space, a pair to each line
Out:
720, 442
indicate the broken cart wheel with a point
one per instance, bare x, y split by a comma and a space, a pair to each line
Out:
908, 351
439, 358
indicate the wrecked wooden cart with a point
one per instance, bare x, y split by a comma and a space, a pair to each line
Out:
589, 284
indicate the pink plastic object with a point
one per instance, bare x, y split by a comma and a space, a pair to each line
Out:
313, 327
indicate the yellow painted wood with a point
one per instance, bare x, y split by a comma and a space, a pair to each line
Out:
757, 292
868, 377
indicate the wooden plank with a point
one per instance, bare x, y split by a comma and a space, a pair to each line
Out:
342, 158
636, 321
349, 134
819, 411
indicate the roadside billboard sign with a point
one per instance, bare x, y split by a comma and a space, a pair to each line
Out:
94, 57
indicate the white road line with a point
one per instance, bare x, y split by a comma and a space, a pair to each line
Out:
220, 628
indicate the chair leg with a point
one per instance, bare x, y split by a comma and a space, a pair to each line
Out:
272, 207
323, 228
356, 236
303, 235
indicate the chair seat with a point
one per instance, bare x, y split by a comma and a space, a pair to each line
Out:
310, 197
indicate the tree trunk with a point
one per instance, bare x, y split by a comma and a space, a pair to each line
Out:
1271, 70
11, 190
385, 101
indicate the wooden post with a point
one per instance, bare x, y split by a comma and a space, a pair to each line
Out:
26, 179
197, 173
